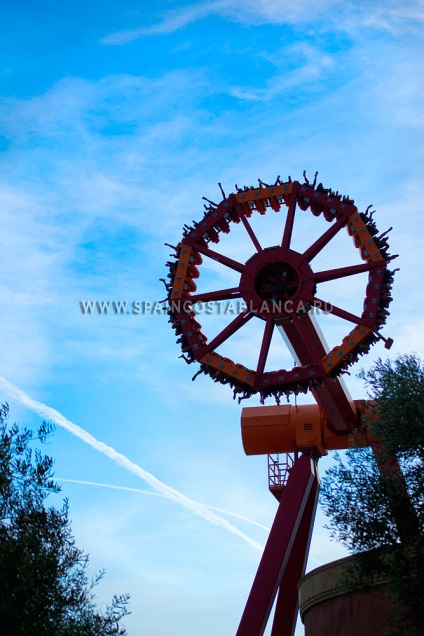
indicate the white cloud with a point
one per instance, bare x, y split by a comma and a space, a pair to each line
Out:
393, 16
312, 68
396, 15
248, 11
173, 21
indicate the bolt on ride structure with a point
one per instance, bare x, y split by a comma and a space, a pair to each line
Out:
279, 287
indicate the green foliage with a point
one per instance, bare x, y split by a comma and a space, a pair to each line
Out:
354, 498
370, 511
398, 391
44, 587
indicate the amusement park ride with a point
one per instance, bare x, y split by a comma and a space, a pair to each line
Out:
279, 287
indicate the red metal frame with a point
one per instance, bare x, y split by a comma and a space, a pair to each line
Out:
287, 605
284, 558
318, 365
331, 396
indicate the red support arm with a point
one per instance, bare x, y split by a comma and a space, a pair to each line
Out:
281, 562
332, 395
287, 605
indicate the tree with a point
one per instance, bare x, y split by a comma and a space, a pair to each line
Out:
373, 510
44, 587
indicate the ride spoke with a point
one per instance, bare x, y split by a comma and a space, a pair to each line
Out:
221, 294
250, 231
266, 342
220, 258
288, 228
325, 238
229, 330
341, 272
329, 308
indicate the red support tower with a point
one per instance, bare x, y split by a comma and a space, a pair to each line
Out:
284, 558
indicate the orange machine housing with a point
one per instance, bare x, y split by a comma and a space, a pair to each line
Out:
266, 430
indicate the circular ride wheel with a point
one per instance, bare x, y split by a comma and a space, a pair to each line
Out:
279, 286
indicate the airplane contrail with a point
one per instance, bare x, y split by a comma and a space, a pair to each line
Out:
158, 494
197, 508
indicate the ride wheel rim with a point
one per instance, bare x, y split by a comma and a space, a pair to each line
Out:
278, 284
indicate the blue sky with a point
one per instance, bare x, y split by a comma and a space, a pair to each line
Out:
115, 120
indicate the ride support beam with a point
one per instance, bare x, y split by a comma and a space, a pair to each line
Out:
287, 605
285, 554
307, 344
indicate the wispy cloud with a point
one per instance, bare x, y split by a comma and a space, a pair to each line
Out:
393, 16
172, 21
246, 11
158, 494
313, 64
121, 460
